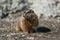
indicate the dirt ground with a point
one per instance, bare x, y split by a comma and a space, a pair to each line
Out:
50, 26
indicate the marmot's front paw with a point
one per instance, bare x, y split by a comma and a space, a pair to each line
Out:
18, 29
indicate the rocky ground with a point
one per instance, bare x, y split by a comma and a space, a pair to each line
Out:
48, 29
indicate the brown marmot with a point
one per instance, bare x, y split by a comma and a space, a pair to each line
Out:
27, 21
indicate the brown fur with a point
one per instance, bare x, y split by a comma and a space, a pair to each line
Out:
26, 24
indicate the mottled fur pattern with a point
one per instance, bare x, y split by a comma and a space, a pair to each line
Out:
27, 21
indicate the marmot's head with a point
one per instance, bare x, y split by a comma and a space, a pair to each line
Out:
29, 14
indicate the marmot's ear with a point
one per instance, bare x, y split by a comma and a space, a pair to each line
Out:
24, 11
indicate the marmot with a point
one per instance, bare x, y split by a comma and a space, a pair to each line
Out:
27, 21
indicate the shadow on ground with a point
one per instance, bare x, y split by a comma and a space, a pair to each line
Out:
42, 29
